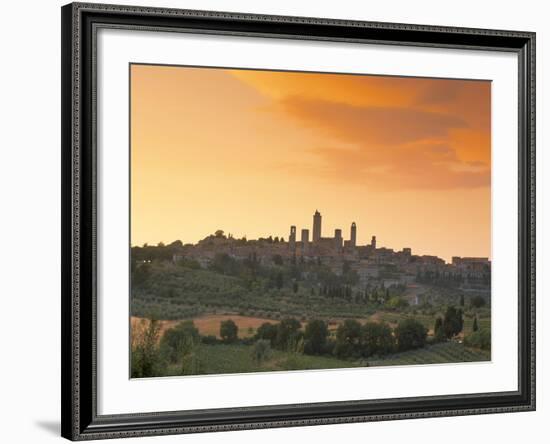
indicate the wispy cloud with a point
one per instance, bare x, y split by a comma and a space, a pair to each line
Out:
366, 124
384, 147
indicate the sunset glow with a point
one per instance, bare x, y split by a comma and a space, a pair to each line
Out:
253, 152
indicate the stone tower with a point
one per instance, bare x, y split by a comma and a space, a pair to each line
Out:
292, 237
316, 227
373, 242
305, 240
338, 239
353, 235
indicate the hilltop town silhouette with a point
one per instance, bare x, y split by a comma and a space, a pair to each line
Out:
370, 261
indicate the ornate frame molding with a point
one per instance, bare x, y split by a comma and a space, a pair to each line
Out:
79, 413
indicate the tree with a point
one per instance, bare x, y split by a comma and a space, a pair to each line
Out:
439, 332
462, 300
315, 335
475, 326
410, 334
288, 333
376, 339
479, 339
295, 287
146, 359
477, 301
225, 264
348, 337
395, 302
277, 259
140, 273
268, 332
261, 350
180, 344
452, 322
279, 280
229, 331
346, 267
219, 234
189, 263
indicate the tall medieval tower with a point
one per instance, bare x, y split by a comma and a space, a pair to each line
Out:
316, 227
292, 237
353, 235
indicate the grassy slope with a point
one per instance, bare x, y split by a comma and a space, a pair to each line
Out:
175, 292
219, 359
429, 320
435, 354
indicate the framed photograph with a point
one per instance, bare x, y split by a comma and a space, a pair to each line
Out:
281, 221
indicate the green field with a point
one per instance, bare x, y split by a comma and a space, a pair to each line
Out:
176, 292
434, 354
288, 298
428, 320
220, 359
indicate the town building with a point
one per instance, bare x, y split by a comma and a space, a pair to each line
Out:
373, 264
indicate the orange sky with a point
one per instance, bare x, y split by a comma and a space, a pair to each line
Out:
253, 152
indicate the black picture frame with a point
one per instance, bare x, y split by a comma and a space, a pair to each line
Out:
80, 420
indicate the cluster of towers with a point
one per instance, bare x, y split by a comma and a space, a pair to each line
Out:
337, 242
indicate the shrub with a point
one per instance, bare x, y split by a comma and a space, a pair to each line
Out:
410, 334
348, 336
439, 332
209, 340
453, 322
267, 331
189, 263
261, 350
316, 333
145, 355
477, 301
377, 339
179, 341
395, 303
229, 331
479, 339
288, 334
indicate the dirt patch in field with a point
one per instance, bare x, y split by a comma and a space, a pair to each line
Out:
209, 325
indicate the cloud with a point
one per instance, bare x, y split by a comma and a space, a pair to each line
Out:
367, 124
382, 131
440, 93
385, 147
470, 100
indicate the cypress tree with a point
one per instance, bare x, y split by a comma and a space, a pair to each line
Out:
439, 333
